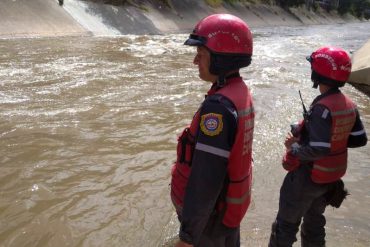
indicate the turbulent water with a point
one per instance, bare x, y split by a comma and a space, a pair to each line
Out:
88, 130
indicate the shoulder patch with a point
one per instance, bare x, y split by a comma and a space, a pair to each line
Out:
211, 124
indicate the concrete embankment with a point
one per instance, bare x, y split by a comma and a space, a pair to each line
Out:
30, 18
36, 18
181, 15
47, 18
360, 76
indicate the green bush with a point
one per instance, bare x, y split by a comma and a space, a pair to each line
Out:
344, 6
214, 3
358, 8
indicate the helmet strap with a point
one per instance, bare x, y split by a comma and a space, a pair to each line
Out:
223, 63
315, 84
221, 80
315, 79
319, 79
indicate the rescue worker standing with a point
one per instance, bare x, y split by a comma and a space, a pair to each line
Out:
316, 155
211, 179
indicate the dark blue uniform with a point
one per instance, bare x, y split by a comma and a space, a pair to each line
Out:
200, 221
300, 197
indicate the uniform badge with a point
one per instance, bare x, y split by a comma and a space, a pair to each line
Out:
211, 124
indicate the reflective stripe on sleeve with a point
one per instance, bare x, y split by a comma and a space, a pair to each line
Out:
328, 169
245, 112
212, 150
320, 144
358, 133
325, 114
237, 200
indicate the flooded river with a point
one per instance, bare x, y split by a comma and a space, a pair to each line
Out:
88, 130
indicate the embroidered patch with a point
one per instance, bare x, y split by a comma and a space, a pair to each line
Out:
211, 124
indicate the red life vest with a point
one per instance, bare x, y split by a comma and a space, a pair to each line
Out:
239, 169
333, 166
291, 162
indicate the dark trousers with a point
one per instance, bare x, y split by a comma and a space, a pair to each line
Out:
300, 198
232, 239
216, 234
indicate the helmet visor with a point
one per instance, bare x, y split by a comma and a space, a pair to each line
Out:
309, 58
195, 40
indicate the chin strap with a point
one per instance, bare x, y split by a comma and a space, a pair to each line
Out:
319, 79
221, 80
314, 79
315, 84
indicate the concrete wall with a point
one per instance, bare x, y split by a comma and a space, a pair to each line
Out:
47, 18
36, 18
361, 65
25, 18
360, 75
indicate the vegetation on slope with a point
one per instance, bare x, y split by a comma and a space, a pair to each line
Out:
359, 8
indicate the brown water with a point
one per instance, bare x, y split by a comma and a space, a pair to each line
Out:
88, 131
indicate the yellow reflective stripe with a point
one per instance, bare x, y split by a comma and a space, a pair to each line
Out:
238, 200
344, 112
245, 112
329, 169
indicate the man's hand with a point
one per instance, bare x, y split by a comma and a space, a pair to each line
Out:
289, 140
183, 244
290, 162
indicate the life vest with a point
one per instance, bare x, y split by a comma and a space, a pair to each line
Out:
333, 166
238, 193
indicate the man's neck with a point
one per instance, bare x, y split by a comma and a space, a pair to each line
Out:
324, 88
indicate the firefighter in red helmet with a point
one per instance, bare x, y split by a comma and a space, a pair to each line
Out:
316, 154
212, 176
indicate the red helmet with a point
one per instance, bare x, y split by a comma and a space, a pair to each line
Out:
332, 63
222, 33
